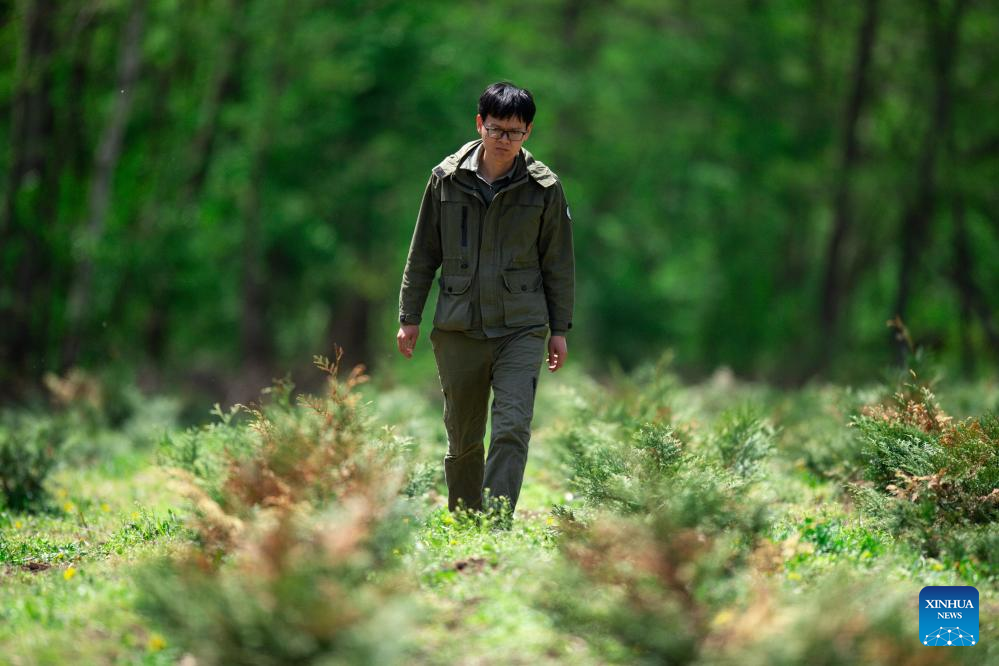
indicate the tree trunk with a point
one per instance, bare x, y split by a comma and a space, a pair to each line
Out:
832, 292
961, 276
972, 300
105, 162
917, 217
225, 85
71, 156
222, 86
349, 329
73, 130
256, 344
22, 243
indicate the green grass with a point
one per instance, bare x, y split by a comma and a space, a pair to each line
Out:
68, 593
480, 583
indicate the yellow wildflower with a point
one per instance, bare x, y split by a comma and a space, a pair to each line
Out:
68, 507
550, 521
156, 643
448, 519
723, 618
794, 575
18, 524
105, 507
69, 573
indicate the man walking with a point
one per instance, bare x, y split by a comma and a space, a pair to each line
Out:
496, 222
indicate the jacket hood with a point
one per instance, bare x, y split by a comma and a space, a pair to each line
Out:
541, 174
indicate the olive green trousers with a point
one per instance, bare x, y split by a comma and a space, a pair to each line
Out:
468, 367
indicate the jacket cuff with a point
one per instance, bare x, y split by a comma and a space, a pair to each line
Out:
411, 319
560, 328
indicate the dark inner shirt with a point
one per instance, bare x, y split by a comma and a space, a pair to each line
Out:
489, 190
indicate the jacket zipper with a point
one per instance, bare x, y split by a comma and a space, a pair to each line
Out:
464, 226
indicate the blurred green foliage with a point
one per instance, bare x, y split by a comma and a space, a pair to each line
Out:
204, 190
29, 449
723, 536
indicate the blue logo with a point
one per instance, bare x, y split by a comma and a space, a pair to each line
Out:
948, 615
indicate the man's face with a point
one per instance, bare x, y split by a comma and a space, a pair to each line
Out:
506, 146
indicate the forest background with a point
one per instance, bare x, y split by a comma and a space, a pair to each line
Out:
202, 195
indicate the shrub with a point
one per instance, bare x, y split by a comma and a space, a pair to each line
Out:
842, 620
293, 562
644, 395
921, 456
310, 450
639, 584
659, 445
675, 521
894, 447
80, 392
421, 479
296, 589
652, 581
205, 452
972, 551
742, 439
106, 417
812, 432
932, 475
597, 459
901, 433
654, 470
29, 449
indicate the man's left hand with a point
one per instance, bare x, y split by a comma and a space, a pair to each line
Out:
557, 352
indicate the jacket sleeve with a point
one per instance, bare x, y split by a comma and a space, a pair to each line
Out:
557, 261
424, 255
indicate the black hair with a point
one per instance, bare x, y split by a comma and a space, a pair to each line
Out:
504, 100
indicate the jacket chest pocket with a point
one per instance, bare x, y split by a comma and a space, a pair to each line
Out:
524, 302
459, 232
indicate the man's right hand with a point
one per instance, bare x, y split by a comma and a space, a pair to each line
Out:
406, 338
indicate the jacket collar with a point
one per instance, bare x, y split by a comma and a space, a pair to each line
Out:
541, 174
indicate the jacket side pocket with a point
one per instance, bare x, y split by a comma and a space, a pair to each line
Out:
524, 301
454, 303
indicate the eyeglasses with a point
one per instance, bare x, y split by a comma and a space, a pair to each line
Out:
513, 135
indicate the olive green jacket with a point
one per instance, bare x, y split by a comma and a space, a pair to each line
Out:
503, 266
